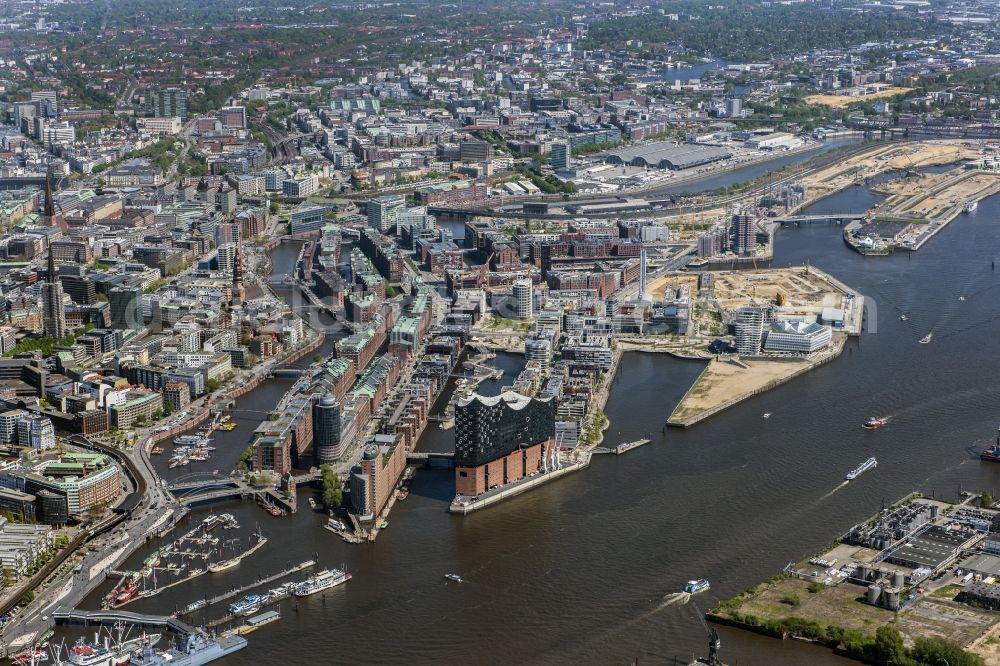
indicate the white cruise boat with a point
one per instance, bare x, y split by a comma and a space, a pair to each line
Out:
324, 580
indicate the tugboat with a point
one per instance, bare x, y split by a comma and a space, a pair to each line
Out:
992, 454
696, 586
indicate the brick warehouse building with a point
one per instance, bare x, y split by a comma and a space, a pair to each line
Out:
499, 440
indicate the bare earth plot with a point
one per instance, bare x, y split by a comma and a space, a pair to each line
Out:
841, 101
723, 382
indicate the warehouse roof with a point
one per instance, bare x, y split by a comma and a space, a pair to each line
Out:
667, 155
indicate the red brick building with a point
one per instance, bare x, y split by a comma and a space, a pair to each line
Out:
500, 440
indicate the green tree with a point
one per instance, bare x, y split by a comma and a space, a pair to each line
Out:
888, 645
333, 493
933, 651
986, 499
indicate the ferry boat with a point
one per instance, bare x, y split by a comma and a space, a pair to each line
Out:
195, 605
248, 604
696, 586
927, 338
453, 577
335, 524
992, 454
324, 580
861, 469
970, 206
874, 423
190, 440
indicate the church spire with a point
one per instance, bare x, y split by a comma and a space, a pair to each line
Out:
50, 207
238, 268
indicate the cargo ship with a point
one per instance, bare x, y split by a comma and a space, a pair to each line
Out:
196, 650
992, 454
861, 469
696, 586
324, 580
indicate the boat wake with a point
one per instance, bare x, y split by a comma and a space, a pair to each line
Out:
674, 598
830, 494
670, 599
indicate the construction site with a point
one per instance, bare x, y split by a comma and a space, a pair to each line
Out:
907, 158
854, 95
802, 294
924, 203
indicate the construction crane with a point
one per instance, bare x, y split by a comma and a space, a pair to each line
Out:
484, 270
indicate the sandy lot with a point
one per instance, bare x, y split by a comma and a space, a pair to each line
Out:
803, 293
889, 158
958, 187
657, 286
725, 381
840, 101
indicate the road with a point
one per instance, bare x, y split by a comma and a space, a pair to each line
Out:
71, 584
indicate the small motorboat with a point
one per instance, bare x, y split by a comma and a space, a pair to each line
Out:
903, 317
961, 298
696, 586
767, 415
927, 338
874, 423
454, 577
